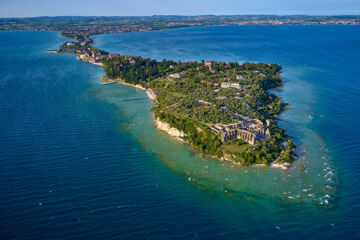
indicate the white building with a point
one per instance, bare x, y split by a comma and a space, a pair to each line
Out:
174, 75
231, 85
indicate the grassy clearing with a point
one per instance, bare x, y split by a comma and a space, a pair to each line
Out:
235, 148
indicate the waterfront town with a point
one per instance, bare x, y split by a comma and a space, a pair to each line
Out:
81, 28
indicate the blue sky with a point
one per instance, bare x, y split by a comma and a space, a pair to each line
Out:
29, 8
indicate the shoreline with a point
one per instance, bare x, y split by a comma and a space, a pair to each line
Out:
110, 81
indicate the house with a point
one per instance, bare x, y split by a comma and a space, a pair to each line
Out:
209, 63
199, 101
82, 57
231, 85
174, 75
209, 83
239, 77
221, 97
114, 55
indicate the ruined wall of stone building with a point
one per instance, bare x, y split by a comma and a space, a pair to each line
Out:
246, 136
268, 122
230, 135
247, 131
267, 133
257, 126
258, 130
259, 122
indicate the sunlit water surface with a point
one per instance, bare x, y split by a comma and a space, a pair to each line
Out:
77, 162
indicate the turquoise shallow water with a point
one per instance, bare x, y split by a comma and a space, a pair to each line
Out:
76, 162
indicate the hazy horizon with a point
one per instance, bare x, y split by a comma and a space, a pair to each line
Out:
183, 15
39, 8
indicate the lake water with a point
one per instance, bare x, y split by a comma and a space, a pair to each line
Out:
76, 162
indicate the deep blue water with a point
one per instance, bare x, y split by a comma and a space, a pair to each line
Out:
77, 163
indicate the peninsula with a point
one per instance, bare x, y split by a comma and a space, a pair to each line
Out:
223, 109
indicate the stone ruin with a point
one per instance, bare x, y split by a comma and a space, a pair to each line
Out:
250, 131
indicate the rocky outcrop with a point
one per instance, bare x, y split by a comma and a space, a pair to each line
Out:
170, 130
150, 94
283, 166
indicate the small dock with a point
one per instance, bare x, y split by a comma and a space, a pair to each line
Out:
150, 95
107, 83
134, 99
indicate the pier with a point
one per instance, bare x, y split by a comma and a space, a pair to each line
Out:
134, 99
